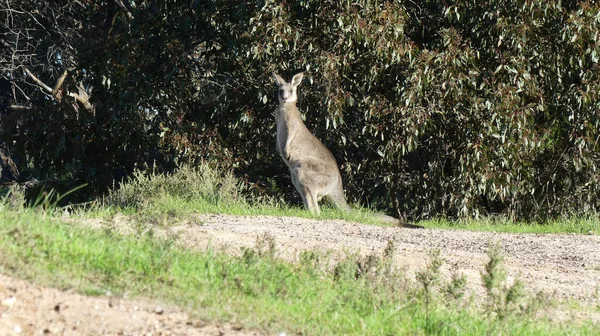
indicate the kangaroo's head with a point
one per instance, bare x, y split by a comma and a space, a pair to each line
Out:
287, 91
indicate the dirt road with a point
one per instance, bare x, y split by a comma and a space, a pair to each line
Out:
566, 265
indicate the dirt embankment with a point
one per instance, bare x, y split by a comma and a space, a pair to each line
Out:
28, 309
567, 266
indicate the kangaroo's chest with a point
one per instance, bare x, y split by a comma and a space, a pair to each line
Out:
288, 130
284, 137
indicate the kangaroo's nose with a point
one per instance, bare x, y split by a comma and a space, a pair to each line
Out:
285, 94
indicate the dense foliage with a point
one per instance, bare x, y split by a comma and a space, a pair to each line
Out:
454, 108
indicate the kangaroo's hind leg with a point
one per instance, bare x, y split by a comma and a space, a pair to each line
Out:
337, 196
309, 196
311, 201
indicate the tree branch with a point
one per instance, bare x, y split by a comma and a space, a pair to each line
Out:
19, 107
82, 97
39, 82
59, 82
125, 7
112, 13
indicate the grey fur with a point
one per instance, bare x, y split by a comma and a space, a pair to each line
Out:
313, 169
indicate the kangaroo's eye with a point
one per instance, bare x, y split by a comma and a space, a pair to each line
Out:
281, 92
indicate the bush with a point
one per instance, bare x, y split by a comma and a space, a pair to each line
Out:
186, 183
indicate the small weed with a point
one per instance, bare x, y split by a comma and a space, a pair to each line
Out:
346, 269
265, 245
310, 259
503, 300
249, 256
429, 278
14, 199
542, 301
390, 249
368, 265
455, 289
48, 200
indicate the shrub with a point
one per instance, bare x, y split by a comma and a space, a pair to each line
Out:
186, 183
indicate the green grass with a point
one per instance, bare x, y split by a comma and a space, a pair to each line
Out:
202, 189
579, 225
360, 296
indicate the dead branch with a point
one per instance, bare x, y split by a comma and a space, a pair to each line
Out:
19, 107
82, 97
113, 11
59, 83
125, 7
39, 82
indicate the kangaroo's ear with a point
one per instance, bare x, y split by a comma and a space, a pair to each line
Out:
278, 80
297, 79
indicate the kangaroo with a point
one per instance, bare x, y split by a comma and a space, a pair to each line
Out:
313, 169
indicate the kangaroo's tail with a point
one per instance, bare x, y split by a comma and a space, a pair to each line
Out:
396, 221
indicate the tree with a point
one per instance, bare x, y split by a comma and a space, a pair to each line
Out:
431, 109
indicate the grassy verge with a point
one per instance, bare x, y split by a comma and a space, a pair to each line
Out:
204, 189
577, 225
360, 296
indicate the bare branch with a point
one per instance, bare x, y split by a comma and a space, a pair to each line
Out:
19, 107
39, 82
113, 11
56, 91
81, 97
125, 7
